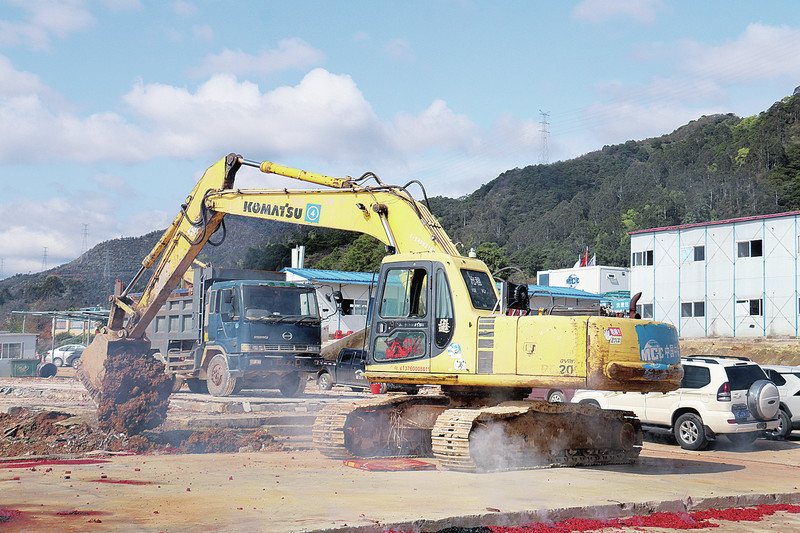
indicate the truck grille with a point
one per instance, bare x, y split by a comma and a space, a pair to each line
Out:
291, 348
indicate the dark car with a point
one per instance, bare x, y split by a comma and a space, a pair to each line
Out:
348, 370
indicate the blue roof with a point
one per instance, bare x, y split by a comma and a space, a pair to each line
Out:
563, 292
334, 276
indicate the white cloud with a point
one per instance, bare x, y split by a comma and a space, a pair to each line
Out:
761, 52
14, 82
30, 226
291, 54
436, 127
642, 11
45, 19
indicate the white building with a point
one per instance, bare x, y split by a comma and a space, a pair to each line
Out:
343, 297
731, 278
593, 279
17, 345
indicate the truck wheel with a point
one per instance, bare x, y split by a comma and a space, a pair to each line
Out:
177, 383
293, 384
219, 379
197, 386
690, 433
324, 381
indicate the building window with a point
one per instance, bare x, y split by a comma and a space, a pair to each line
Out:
749, 307
11, 350
645, 310
360, 307
693, 309
644, 258
750, 248
693, 253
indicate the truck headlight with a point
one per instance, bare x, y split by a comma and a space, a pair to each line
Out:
254, 348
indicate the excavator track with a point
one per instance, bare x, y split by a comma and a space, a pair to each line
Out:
518, 435
510, 435
390, 426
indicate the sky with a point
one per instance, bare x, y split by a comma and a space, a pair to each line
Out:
110, 110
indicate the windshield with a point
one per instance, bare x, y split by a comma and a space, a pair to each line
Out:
263, 302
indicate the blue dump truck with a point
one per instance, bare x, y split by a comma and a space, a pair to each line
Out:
239, 329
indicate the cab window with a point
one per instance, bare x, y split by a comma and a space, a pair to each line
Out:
445, 321
404, 344
481, 289
227, 305
405, 293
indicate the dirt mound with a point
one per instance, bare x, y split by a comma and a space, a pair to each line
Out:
135, 393
26, 432
761, 350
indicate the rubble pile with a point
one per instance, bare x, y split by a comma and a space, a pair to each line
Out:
219, 440
30, 432
26, 432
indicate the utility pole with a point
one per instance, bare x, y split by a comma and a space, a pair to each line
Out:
44, 259
107, 266
85, 243
544, 157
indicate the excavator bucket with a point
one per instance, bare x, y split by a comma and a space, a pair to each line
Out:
128, 385
92, 367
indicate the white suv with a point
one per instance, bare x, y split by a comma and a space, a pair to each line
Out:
718, 395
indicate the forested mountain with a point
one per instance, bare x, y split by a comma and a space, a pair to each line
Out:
537, 217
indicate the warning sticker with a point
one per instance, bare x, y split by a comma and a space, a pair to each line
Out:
613, 335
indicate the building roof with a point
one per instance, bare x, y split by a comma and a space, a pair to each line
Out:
367, 278
334, 276
562, 292
715, 223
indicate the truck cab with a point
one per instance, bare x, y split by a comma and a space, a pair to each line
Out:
239, 328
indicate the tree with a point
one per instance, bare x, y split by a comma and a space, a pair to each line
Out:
491, 254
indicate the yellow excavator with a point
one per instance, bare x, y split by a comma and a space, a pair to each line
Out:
438, 318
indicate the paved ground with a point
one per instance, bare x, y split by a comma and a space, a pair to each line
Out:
299, 490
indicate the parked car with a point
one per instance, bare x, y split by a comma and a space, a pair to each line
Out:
67, 354
348, 370
731, 396
552, 395
787, 379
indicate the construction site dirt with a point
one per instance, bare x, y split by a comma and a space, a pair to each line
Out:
276, 481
